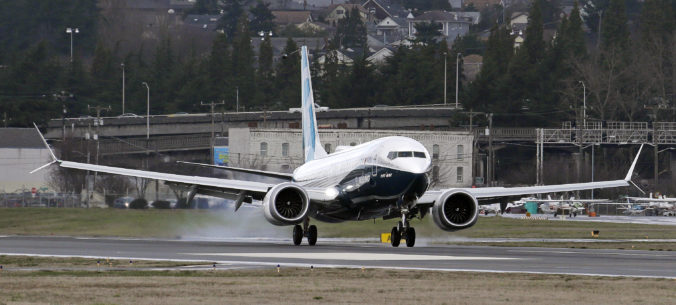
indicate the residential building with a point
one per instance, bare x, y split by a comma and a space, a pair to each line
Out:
337, 12
452, 24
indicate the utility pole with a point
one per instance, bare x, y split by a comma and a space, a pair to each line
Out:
213, 135
97, 123
457, 70
445, 82
123, 91
491, 153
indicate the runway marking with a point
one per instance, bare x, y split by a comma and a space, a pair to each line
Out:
594, 253
305, 265
354, 256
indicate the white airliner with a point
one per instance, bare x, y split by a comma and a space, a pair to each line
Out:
385, 178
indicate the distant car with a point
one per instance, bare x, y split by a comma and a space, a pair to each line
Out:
317, 109
85, 117
128, 115
122, 202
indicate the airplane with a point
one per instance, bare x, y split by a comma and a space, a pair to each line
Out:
560, 206
384, 178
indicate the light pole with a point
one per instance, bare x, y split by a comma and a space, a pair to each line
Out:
122, 64
445, 82
72, 31
584, 107
457, 70
148, 112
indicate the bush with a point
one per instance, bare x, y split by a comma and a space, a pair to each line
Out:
162, 204
138, 203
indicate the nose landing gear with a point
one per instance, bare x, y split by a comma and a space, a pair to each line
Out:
403, 230
307, 230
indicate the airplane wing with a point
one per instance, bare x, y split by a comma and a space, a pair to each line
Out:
645, 199
278, 175
569, 200
239, 190
486, 193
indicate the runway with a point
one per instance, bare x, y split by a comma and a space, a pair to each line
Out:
251, 254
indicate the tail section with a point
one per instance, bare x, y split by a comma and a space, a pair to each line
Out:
311, 146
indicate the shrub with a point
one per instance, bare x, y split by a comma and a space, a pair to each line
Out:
138, 203
161, 204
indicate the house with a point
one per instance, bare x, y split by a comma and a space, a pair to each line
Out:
22, 151
380, 56
376, 10
392, 29
519, 21
340, 57
337, 12
452, 24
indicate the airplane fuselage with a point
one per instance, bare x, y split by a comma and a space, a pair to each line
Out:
368, 180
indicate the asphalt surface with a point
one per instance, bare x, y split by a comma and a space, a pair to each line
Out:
327, 253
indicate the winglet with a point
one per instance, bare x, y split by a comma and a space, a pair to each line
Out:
631, 169
51, 152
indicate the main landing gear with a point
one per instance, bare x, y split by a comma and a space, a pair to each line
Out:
307, 230
403, 230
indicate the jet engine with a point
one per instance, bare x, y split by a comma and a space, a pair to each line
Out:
455, 210
286, 204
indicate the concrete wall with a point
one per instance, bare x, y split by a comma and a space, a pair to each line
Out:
16, 163
245, 149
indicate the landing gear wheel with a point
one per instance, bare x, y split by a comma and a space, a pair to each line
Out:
410, 237
312, 235
297, 235
395, 237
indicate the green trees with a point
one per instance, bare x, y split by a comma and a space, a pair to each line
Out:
287, 78
232, 11
351, 31
242, 63
262, 17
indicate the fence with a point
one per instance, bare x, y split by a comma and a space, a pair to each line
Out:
49, 200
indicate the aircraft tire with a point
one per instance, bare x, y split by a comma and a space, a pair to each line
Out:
312, 235
395, 237
410, 237
297, 235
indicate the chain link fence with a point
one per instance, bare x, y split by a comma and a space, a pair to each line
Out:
48, 200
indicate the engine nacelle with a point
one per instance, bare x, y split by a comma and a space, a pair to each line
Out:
455, 210
286, 204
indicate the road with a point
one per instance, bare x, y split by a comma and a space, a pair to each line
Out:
328, 253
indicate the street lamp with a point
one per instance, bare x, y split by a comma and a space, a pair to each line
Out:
72, 31
584, 107
148, 112
457, 69
122, 64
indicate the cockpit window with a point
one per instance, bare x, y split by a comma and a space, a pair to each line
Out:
405, 154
